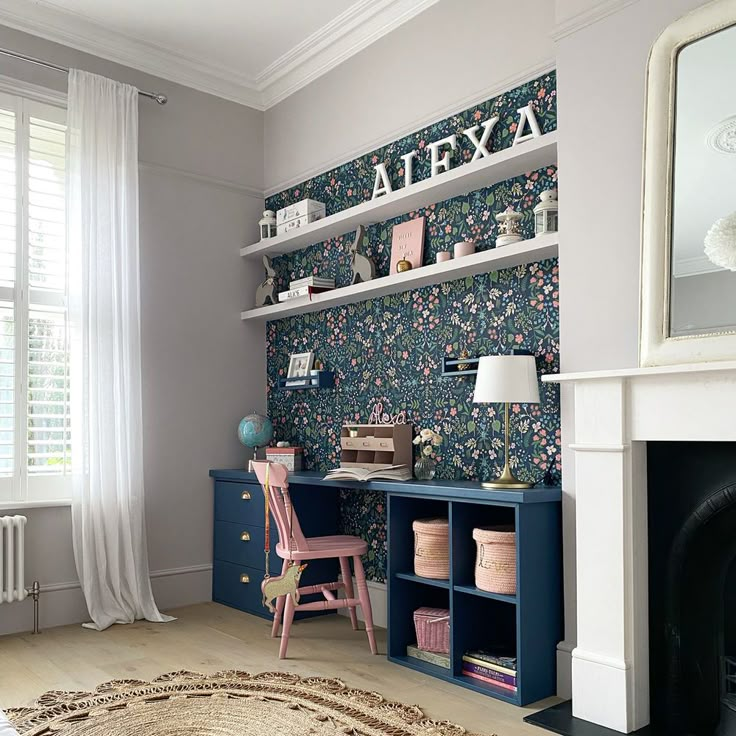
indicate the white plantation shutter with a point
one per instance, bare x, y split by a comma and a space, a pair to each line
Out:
8, 197
46, 207
34, 353
7, 393
48, 393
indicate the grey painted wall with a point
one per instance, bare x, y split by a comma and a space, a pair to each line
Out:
202, 166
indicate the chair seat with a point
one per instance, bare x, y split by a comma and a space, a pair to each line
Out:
338, 545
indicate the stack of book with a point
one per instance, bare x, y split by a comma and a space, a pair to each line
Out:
306, 287
498, 671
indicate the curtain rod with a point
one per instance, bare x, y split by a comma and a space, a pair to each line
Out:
160, 98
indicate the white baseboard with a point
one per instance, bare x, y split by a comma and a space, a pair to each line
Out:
379, 603
63, 603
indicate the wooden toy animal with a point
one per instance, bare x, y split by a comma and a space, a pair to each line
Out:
286, 584
363, 267
264, 293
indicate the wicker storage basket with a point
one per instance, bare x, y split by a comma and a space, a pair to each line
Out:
432, 548
495, 562
433, 629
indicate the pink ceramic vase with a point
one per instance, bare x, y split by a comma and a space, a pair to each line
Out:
465, 248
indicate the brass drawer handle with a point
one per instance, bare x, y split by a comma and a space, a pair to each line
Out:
245, 537
245, 578
245, 496
366, 444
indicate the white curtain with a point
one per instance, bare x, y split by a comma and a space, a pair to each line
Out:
108, 518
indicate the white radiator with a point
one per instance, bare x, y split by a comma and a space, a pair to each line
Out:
12, 559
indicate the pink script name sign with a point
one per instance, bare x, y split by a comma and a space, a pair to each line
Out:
407, 241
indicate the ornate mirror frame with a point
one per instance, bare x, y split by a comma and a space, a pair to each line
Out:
655, 345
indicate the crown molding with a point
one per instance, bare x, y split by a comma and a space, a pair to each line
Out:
602, 9
40, 18
350, 32
463, 103
360, 25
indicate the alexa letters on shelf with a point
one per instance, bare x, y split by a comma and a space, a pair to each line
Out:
441, 151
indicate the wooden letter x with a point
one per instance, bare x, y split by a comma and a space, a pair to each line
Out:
481, 150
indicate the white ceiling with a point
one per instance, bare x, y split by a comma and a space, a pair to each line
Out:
704, 179
256, 52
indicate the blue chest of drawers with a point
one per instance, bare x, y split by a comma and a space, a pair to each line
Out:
239, 534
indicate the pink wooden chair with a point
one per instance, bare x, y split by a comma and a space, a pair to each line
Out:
294, 546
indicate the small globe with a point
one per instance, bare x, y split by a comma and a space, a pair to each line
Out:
255, 430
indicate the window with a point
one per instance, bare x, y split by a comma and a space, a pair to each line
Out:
34, 353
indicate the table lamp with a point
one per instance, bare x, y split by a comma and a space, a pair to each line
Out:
507, 379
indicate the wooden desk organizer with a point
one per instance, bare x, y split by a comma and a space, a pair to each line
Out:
377, 446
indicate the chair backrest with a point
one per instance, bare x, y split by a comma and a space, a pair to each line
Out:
282, 511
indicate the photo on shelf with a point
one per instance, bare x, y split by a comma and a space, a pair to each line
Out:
300, 364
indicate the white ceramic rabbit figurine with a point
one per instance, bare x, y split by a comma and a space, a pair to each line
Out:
363, 267
264, 293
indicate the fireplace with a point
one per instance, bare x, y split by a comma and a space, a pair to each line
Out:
692, 591
654, 486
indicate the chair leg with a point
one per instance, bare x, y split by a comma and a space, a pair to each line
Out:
348, 580
365, 602
288, 618
279, 606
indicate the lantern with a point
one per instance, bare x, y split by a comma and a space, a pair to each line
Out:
545, 213
267, 224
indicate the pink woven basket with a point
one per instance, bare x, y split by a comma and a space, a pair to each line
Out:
432, 548
495, 562
433, 629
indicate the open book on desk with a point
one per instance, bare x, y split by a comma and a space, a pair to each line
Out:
392, 472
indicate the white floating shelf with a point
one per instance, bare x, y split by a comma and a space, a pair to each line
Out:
506, 164
527, 251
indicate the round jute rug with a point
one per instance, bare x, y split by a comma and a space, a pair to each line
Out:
228, 703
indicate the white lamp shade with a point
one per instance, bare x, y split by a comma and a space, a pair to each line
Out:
506, 378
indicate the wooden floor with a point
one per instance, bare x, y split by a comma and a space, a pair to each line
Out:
209, 637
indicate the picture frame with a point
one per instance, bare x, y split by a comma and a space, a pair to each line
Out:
300, 364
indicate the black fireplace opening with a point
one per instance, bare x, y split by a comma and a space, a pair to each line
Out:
692, 587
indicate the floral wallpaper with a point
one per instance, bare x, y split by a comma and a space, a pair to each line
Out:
390, 349
461, 218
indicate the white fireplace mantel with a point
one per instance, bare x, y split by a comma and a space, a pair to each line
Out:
615, 414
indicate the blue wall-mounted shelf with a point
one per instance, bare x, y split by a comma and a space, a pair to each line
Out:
450, 366
325, 379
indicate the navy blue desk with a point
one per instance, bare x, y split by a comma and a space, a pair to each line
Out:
528, 623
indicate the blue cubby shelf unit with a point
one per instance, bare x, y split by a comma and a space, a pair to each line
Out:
527, 624
324, 379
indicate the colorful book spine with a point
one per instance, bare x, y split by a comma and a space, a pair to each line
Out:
313, 281
502, 664
477, 669
496, 683
285, 296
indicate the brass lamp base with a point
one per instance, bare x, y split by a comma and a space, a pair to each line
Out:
506, 481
